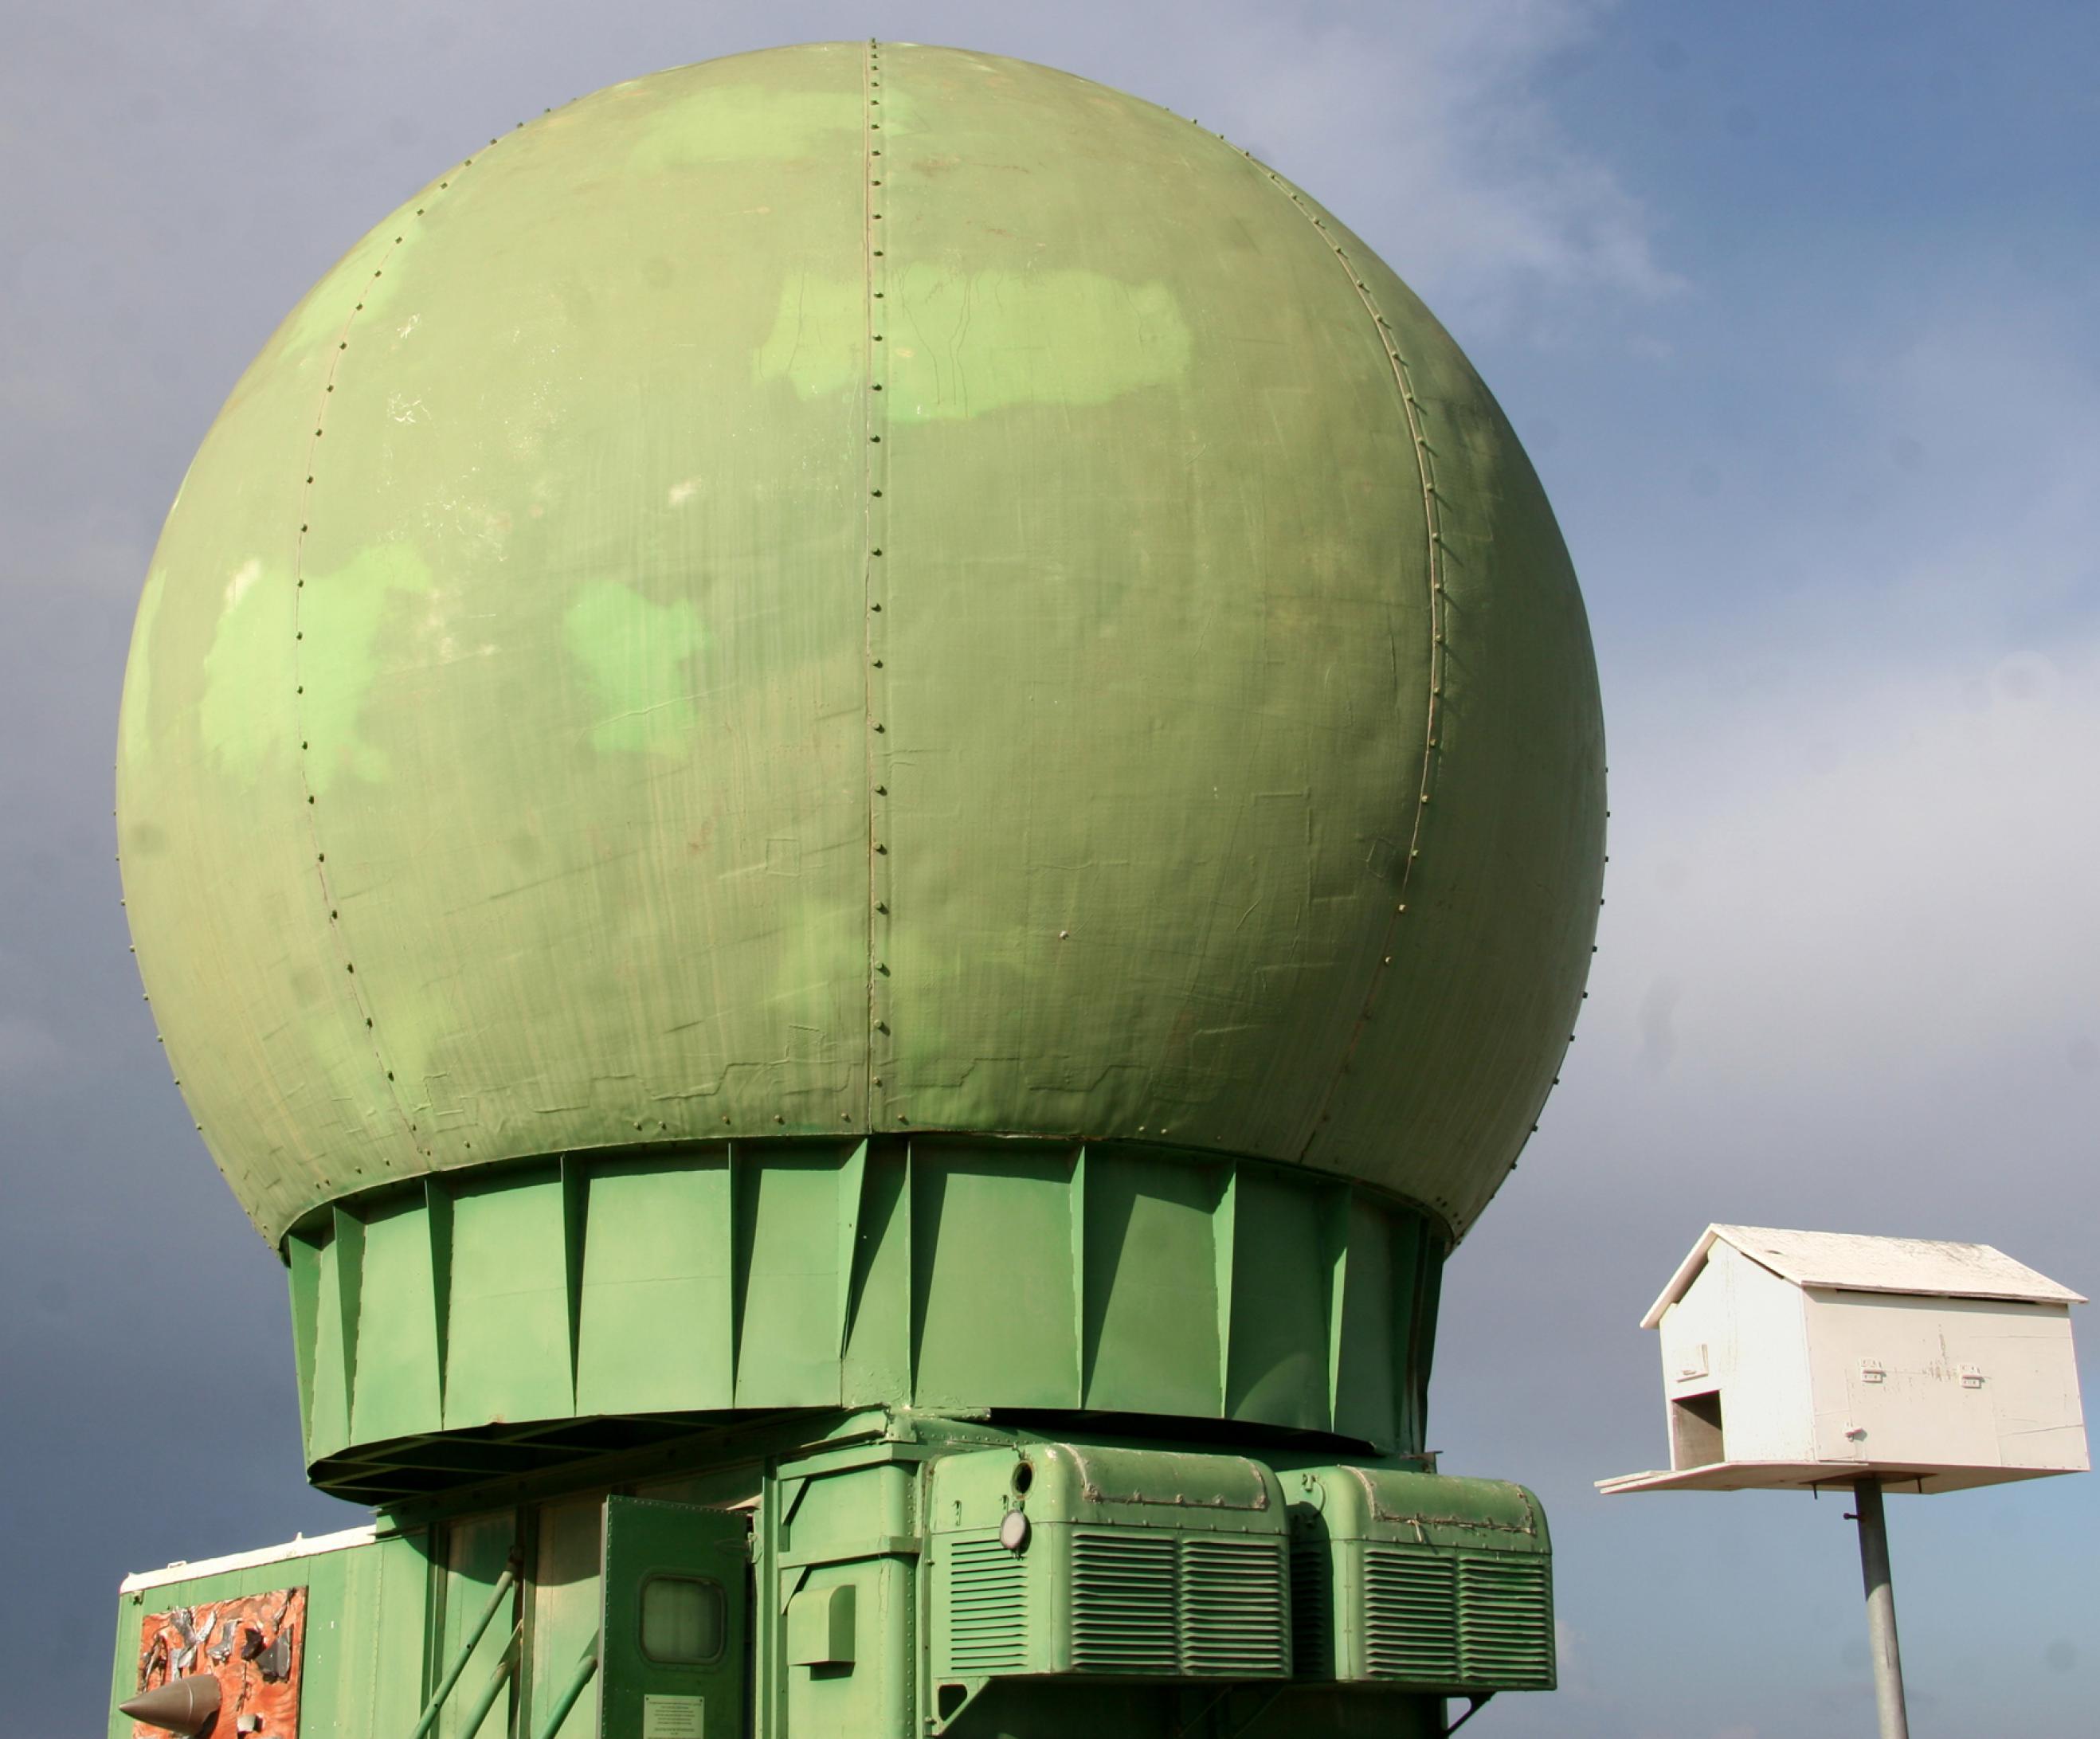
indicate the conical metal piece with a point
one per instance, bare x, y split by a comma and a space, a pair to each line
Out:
181, 1706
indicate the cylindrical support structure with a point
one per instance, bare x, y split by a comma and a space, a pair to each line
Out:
1880, 1610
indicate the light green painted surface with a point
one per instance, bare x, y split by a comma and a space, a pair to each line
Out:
929, 1271
544, 776
567, 1598
476, 1551
1421, 1580
1136, 1563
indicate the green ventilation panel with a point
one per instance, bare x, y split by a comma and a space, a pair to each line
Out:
1420, 1581
1131, 1564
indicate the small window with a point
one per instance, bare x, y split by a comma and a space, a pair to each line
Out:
682, 1620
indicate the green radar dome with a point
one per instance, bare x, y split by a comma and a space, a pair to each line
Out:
804, 595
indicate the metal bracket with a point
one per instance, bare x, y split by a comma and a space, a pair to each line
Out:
1473, 1706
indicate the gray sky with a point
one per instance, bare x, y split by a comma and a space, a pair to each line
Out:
1792, 305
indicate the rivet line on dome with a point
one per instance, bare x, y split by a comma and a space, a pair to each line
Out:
1432, 503
874, 660
310, 469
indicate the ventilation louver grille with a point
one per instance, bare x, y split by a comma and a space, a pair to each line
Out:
1123, 1603
1410, 1616
1481, 1621
1505, 1622
1232, 1607
1312, 1627
986, 1609
1162, 1605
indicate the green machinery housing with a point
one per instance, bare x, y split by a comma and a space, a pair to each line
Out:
862, 795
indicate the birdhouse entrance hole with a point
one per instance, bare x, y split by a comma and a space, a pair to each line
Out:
1696, 1436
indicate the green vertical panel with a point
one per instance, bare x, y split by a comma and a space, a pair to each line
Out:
992, 1278
349, 1245
396, 1391
1277, 1374
656, 1278
476, 1549
876, 1695
1409, 1243
374, 1626
437, 1206
507, 1356
565, 1613
302, 1278
1422, 1344
876, 1366
1335, 1250
1151, 1317
576, 1218
1373, 1358
393, 1692
124, 1670
788, 1346
852, 1192
680, 1544
1225, 1242
328, 1427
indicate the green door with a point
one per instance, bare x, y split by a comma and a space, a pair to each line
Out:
677, 1597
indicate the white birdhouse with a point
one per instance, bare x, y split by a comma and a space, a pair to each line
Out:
1798, 1359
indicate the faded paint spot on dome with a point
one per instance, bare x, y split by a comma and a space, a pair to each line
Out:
241, 716
745, 123
341, 618
969, 343
634, 653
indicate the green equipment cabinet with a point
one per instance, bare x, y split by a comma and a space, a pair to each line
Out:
862, 793
1408, 1578
905, 1575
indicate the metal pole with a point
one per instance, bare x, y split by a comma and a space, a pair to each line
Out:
494, 1688
1880, 1610
496, 1599
571, 1693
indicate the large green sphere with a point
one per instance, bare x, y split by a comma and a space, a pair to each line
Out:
854, 588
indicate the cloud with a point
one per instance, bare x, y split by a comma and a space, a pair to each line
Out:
1849, 977
1432, 127
1865, 877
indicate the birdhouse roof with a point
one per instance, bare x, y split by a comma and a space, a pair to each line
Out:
1850, 1261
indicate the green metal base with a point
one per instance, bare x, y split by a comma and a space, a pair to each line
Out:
892, 1575
535, 1315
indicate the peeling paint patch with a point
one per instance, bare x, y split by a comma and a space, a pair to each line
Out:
970, 343
342, 617
634, 654
244, 576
